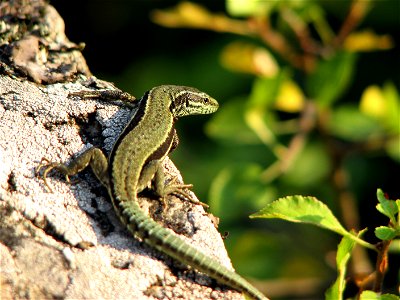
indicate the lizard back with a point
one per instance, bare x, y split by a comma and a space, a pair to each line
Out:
149, 135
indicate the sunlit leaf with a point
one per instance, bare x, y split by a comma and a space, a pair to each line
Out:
370, 295
184, 14
367, 41
290, 97
302, 209
249, 58
382, 104
309, 210
373, 102
245, 8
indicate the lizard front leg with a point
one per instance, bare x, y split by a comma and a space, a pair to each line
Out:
93, 157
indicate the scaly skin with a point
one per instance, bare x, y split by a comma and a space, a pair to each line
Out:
136, 160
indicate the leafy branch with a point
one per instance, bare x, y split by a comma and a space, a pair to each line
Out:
309, 210
300, 113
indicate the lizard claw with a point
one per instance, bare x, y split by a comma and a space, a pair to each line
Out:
47, 166
179, 191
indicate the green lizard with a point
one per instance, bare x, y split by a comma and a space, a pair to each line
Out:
135, 161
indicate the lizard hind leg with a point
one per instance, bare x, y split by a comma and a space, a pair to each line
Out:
163, 188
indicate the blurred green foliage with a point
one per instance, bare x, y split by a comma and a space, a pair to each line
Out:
299, 117
309, 94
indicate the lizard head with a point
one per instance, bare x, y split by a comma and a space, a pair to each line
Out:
190, 101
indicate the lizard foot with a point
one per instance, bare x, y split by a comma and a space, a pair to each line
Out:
47, 166
179, 190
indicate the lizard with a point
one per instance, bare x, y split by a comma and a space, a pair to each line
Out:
135, 163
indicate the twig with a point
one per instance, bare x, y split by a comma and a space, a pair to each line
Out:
306, 124
381, 264
357, 12
276, 41
307, 43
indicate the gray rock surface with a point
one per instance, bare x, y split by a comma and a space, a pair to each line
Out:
68, 243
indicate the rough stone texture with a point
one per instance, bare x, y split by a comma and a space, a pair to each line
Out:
69, 244
33, 43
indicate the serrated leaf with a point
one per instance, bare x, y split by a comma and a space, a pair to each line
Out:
308, 210
302, 209
380, 195
387, 207
386, 233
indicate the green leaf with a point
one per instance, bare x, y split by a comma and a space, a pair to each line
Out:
349, 123
386, 233
343, 254
398, 204
392, 148
331, 78
302, 210
395, 247
389, 297
387, 207
393, 107
265, 90
370, 295
246, 8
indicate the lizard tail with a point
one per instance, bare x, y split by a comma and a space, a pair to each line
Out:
172, 245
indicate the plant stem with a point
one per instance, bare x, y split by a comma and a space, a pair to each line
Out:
381, 264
